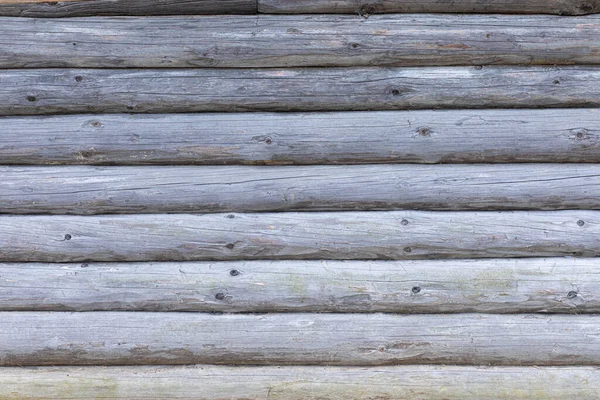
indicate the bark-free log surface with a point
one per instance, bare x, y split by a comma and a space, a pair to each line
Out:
164, 189
299, 41
367, 7
123, 338
310, 89
84, 8
204, 382
447, 136
554, 285
336, 235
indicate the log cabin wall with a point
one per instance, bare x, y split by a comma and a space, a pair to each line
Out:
299, 199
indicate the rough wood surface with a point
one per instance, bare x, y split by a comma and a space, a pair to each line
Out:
443, 136
84, 8
335, 235
125, 338
367, 7
299, 41
166, 189
204, 382
49, 91
553, 285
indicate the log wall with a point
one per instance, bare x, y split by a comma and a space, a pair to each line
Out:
243, 199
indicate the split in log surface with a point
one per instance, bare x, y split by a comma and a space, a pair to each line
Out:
443, 136
335, 235
203, 382
125, 338
367, 7
85, 8
299, 41
164, 189
52, 91
553, 285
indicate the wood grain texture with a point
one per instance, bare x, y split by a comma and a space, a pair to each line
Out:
51, 91
124, 338
85, 8
443, 136
337, 235
91, 190
204, 382
367, 7
299, 41
552, 285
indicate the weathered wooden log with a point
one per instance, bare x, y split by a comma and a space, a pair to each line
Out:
367, 7
335, 235
553, 285
85, 8
124, 338
567, 135
299, 41
444, 136
51, 91
91, 190
206, 382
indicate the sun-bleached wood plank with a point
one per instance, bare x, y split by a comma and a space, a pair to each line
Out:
205, 382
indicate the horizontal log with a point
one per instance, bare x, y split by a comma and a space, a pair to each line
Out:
299, 41
553, 285
367, 7
85, 8
167, 189
124, 338
51, 91
444, 136
205, 382
336, 235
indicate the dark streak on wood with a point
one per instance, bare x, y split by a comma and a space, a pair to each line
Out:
85, 8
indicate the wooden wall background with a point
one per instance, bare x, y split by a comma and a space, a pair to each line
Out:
299, 199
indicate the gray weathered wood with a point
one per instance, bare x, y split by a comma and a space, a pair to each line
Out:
124, 338
553, 285
447, 136
48, 91
205, 382
167, 189
299, 41
335, 235
367, 7
84, 8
